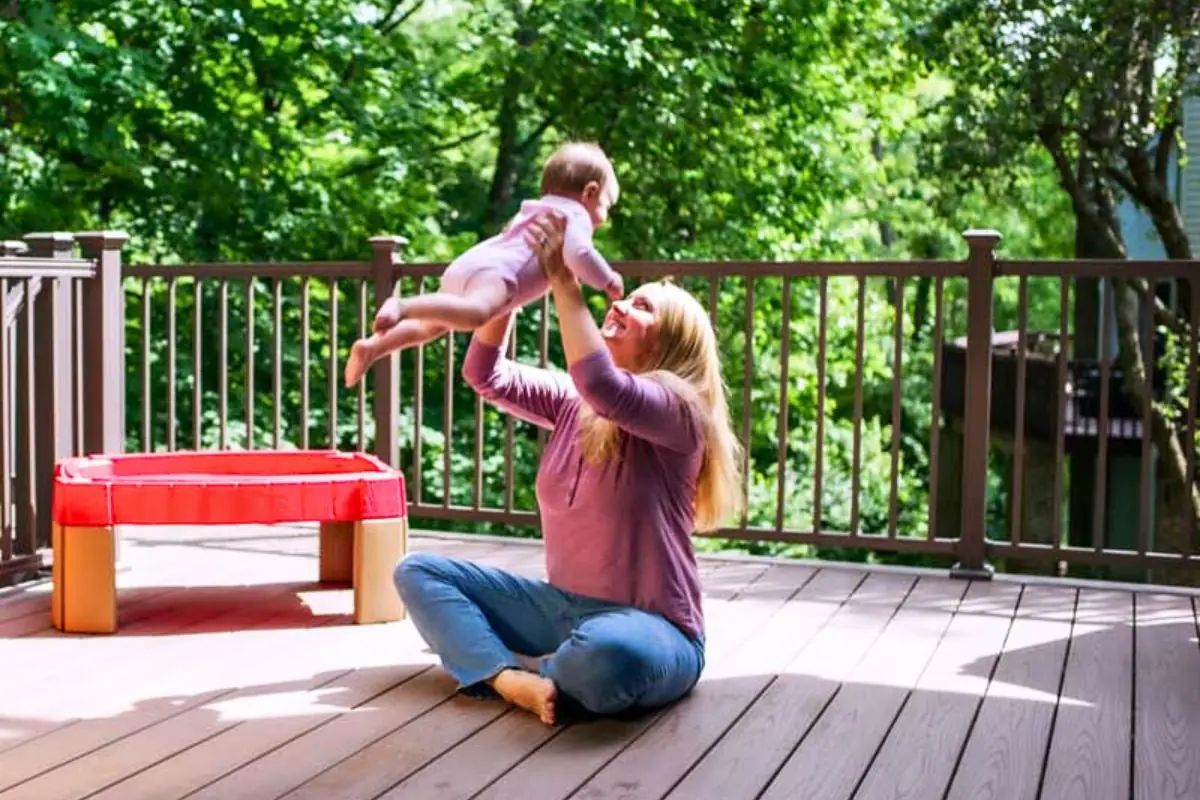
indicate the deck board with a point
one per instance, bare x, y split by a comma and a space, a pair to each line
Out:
361, 776
1167, 701
235, 675
1006, 752
571, 758
918, 757
1090, 749
853, 726
764, 736
665, 753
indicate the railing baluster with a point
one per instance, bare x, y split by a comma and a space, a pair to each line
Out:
1018, 458
543, 358
935, 438
819, 443
147, 384
361, 388
897, 407
25, 538
747, 377
477, 468
1102, 430
856, 447
305, 360
223, 366
1060, 428
172, 383
781, 435
77, 366
509, 423
6, 440
447, 417
250, 361
197, 363
418, 411
333, 362
1190, 416
1145, 503
277, 361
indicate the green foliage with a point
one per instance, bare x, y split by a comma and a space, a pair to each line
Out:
272, 131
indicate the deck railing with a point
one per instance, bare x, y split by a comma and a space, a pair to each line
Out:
879, 408
61, 364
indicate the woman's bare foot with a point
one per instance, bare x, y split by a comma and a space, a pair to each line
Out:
528, 690
362, 354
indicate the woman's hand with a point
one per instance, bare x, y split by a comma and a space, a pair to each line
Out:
580, 336
545, 235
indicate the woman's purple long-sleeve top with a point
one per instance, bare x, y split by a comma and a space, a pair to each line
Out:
621, 530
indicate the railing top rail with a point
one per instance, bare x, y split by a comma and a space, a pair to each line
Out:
795, 269
752, 269
659, 269
30, 267
269, 269
1099, 268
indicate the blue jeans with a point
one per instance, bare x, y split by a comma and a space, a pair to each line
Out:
607, 657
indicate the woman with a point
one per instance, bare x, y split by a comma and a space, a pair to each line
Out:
641, 454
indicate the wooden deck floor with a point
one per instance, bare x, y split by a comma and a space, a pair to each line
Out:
235, 676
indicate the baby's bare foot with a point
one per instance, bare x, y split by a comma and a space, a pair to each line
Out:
529, 691
361, 356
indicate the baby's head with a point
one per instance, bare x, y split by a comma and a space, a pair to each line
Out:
582, 172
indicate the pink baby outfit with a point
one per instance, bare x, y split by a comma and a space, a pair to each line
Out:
507, 255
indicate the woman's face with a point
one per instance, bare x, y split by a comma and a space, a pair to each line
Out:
630, 329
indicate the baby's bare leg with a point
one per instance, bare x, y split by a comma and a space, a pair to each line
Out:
480, 302
408, 333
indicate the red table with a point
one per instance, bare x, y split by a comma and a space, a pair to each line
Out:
358, 500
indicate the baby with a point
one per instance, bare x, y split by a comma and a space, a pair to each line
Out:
502, 273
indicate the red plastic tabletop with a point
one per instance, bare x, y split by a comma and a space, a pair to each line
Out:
226, 488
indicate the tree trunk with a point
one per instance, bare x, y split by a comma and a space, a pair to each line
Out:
1181, 507
508, 155
1098, 236
1179, 501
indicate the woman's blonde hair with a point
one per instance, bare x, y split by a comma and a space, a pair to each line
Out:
687, 362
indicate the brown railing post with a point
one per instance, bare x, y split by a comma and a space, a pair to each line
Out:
104, 344
52, 375
972, 543
385, 374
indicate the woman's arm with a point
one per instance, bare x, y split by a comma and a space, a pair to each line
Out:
642, 406
533, 394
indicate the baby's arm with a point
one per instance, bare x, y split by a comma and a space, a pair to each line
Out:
585, 261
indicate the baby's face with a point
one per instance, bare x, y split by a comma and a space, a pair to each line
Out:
598, 201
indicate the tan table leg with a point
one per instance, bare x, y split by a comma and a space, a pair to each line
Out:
337, 552
378, 545
84, 596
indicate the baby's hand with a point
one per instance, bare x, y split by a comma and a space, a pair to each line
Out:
388, 316
616, 289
